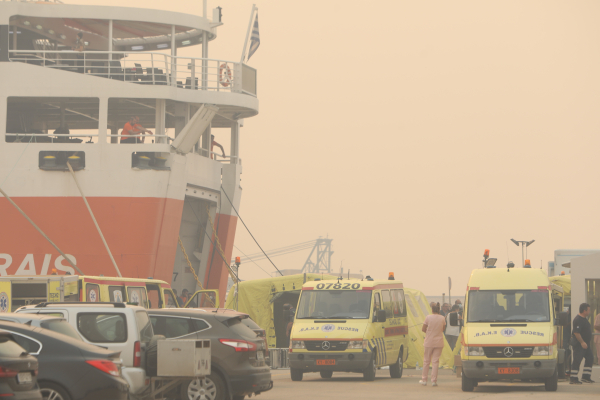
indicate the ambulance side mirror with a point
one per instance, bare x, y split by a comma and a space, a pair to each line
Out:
381, 316
453, 319
563, 319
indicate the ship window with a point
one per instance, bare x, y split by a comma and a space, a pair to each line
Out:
52, 120
57, 160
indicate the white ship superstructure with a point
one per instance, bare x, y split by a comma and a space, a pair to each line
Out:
72, 76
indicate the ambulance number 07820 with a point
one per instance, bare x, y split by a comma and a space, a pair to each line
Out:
338, 286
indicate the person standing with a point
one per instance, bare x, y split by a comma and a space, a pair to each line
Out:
179, 301
452, 332
582, 346
214, 143
433, 326
445, 309
129, 133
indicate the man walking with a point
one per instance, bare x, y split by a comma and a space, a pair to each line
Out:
582, 346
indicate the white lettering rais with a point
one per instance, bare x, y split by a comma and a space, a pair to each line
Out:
27, 266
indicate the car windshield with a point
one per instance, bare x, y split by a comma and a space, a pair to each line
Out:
340, 304
61, 326
508, 305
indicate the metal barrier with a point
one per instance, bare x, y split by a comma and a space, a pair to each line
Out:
146, 68
279, 358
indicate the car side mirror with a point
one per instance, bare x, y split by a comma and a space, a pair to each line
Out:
563, 319
453, 319
381, 317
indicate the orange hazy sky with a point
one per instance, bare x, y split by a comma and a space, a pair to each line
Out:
416, 133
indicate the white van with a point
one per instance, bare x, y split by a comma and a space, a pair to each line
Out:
117, 327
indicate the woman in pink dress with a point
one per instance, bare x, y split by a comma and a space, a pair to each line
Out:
434, 327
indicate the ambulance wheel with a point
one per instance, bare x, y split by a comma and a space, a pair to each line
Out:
397, 369
326, 374
467, 384
369, 372
551, 383
296, 374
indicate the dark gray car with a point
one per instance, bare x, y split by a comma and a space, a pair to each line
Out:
238, 365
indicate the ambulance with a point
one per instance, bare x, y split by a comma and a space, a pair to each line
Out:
512, 327
350, 326
18, 290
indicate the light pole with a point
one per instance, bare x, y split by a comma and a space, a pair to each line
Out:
524, 244
237, 275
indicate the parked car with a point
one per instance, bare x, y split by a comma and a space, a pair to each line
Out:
261, 333
18, 371
237, 353
54, 323
115, 326
70, 369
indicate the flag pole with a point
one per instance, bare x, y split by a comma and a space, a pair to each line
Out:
248, 33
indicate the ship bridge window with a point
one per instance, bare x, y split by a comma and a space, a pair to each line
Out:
52, 120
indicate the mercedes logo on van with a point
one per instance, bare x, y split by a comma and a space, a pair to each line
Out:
325, 345
508, 352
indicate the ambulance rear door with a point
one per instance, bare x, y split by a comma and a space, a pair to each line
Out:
208, 298
5, 295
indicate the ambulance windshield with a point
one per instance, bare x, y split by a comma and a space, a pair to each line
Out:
334, 304
508, 305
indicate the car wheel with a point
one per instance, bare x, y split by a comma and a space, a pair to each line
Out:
51, 391
468, 385
326, 374
210, 387
551, 383
371, 370
397, 369
296, 374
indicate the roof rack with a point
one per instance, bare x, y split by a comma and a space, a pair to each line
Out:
45, 304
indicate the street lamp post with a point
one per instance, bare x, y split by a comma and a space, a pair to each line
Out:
524, 244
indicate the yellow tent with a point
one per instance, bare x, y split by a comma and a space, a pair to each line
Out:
262, 299
418, 309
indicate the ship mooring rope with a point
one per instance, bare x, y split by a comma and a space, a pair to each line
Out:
221, 252
187, 259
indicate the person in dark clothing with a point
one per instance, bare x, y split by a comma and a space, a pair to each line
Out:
582, 346
179, 300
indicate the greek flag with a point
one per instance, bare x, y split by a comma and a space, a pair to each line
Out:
254, 39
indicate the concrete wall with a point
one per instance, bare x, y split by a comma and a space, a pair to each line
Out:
582, 268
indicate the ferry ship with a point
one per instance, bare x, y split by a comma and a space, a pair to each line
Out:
72, 76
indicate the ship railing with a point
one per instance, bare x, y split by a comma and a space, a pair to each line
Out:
151, 137
147, 68
37, 1
76, 137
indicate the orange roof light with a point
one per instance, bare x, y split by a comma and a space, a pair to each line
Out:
486, 253
562, 272
527, 262
238, 260
391, 274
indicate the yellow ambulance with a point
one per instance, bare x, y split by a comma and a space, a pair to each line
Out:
351, 326
512, 326
17, 291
